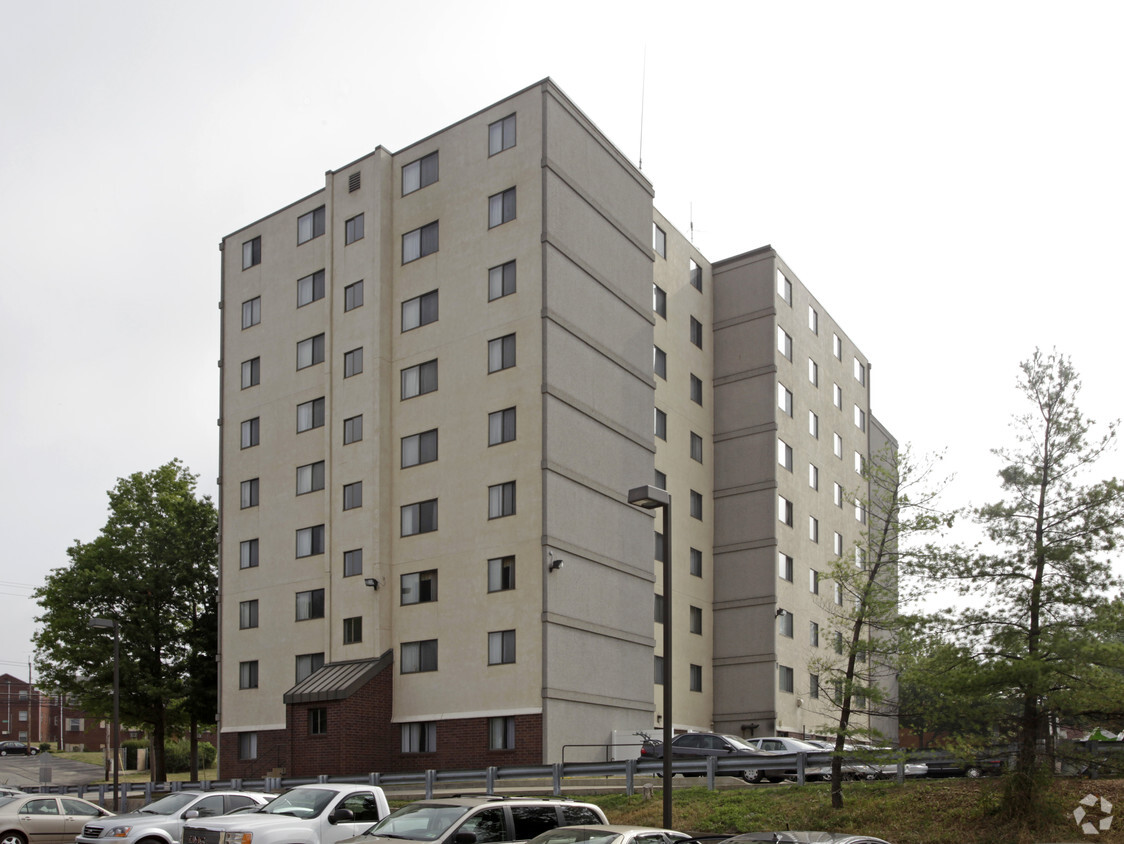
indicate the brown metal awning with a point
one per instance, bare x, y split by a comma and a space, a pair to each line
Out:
337, 680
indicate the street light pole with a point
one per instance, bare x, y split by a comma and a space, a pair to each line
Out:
107, 624
651, 498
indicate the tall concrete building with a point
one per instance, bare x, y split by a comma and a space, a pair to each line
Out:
441, 374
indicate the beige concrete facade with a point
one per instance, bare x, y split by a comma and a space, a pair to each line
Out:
571, 342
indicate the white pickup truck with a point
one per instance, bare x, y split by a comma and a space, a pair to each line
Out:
324, 813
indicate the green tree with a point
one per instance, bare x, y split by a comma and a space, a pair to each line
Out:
153, 569
898, 506
1039, 620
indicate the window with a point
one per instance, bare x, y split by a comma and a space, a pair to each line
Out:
501, 281
501, 647
419, 174
251, 372
784, 567
659, 361
420, 242
696, 562
310, 288
860, 418
310, 225
696, 620
501, 353
837, 597
353, 495
659, 240
353, 296
310, 477
247, 746
248, 674
696, 332
813, 581
784, 287
658, 614
837, 445
696, 505
784, 510
419, 656
501, 135
249, 493
784, 678
353, 229
501, 733
308, 664
784, 343
813, 372
860, 512
420, 737
251, 253
660, 479
22, 716
837, 346
353, 630
813, 529
696, 678
353, 562
784, 454
310, 541
784, 399
353, 362
310, 414
419, 518
352, 429
837, 543
694, 274
317, 721
501, 574
696, 447
814, 686
247, 614
860, 372
501, 426
251, 312
813, 634
250, 431
659, 547
813, 424
501, 208
813, 476
784, 622
310, 604
837, 646
501, 500
419, 448
837, 395
310, 351
419, 587
659, 301
858, 463
419, 380
837, 492
813, 320
421, 310
248, 554
696, 390
658, 666
661, 424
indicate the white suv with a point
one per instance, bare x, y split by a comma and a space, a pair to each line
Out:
161, 821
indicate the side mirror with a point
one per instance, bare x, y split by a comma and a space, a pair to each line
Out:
341, 815
190, 813
464, 838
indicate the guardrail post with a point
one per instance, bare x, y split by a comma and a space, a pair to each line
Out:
801, 758
629, 774
556, 775
430, 780
374, 778
490, 780
901, 772
147, 793
711, 770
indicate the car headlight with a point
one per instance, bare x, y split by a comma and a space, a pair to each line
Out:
238, 838
118, 832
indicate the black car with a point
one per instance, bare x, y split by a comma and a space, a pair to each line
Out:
17, 748
700, 745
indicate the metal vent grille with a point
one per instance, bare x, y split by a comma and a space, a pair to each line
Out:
353, 182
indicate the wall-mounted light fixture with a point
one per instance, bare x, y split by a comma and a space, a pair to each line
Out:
553, 564
370, 581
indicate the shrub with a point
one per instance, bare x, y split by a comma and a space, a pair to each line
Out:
177, 755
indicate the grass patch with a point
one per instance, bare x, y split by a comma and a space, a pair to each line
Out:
95, 757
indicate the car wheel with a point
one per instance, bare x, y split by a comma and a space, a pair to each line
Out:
13, 837
973, 772
3, 753
751, 776
33, 752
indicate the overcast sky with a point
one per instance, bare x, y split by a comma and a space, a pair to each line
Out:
947, 178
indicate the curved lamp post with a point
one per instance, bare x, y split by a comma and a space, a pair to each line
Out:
111, 624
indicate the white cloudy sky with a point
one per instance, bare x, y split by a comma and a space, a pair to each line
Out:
947, 177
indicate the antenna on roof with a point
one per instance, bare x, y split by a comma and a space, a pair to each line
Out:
643, 75
692, 221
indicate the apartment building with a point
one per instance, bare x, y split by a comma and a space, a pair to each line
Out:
441, 373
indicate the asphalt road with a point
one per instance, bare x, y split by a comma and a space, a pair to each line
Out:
45, 769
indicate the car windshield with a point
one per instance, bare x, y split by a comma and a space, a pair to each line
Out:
570, 835
170, 804
419, 821
301, 802
739, 743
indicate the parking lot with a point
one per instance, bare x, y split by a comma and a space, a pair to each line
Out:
45, 769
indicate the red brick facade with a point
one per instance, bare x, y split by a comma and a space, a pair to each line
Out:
359, 738
32, 715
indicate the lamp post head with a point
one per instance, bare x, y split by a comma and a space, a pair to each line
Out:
103, 623
649, 497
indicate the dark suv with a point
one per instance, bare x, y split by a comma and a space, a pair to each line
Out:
477, 820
